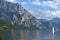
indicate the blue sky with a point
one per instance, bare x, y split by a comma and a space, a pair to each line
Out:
46, 9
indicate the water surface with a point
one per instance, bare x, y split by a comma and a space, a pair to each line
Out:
28, 35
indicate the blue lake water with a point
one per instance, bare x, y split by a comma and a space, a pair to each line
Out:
28, 35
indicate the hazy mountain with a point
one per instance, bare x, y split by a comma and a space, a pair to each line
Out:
45, 22
15, 14
55, 22
49, 24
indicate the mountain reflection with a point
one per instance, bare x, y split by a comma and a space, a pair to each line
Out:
28, 35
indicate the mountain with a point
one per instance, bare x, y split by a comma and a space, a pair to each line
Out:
55, 22
49, 24
16, 15
45, 22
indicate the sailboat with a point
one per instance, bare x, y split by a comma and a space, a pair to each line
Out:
53, 31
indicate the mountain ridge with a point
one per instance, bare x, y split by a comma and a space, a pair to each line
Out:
49, 24
15, 14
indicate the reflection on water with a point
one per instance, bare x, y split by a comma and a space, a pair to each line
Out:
28, 35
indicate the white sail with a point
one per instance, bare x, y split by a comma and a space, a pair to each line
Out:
53, 30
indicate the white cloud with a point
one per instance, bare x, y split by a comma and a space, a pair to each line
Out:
23, 3
56, 13
36, 2
46, 14
57, 0
11, 1
53, 4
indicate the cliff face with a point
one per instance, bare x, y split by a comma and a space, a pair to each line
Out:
15, 14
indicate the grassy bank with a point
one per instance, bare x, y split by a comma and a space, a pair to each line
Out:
6, 26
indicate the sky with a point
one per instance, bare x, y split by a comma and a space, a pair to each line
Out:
45, 9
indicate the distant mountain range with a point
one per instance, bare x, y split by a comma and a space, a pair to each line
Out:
55, 22
16, 15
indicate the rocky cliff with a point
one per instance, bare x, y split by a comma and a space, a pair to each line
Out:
15, 14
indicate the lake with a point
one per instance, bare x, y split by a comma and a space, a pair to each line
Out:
28, 35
